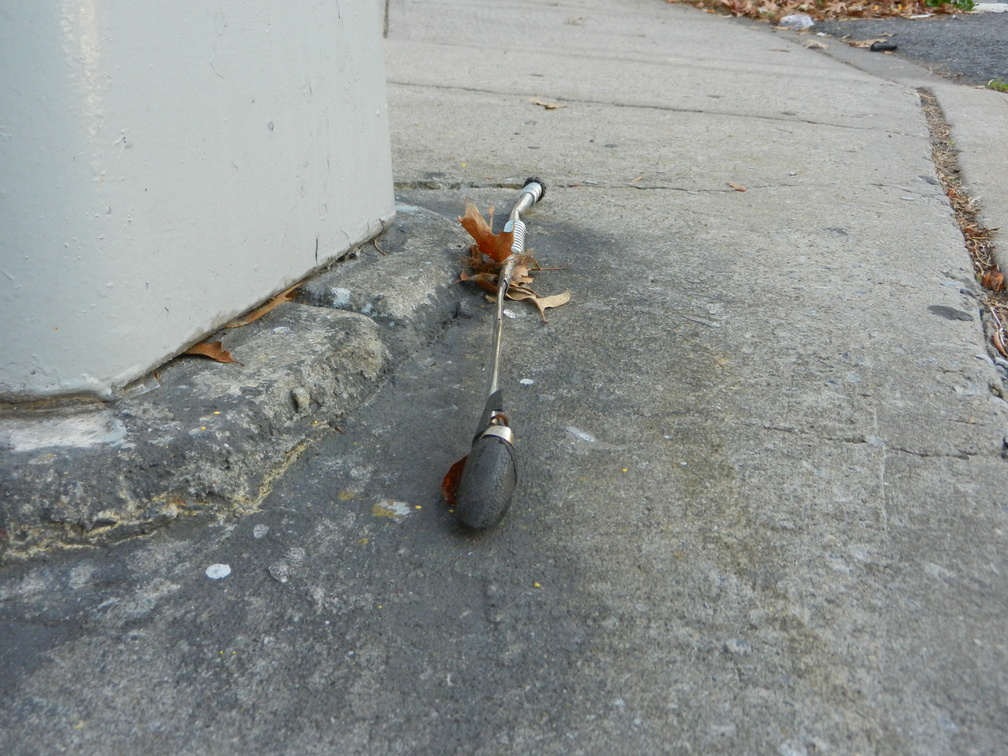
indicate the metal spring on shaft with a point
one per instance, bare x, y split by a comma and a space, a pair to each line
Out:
518, 245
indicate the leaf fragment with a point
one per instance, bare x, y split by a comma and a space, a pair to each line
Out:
736, 187
284, 296
994, 280
449, 485
213, 349
998, 340
484, 280
547, 105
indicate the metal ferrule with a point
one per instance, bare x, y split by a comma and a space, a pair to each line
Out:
500, 431
531, 193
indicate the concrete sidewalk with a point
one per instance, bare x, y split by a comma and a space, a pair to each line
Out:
671, 110
812, 346
789, 521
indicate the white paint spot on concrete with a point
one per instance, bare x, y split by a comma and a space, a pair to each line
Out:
580, 434
391, 508
81, 431
339, 297
218, 571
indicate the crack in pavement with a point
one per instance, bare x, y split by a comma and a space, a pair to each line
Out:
644, 106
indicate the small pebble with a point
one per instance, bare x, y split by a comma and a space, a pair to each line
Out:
302, 399
280, 571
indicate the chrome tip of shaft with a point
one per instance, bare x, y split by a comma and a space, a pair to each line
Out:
536, 187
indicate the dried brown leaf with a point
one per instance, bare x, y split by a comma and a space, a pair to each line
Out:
495, 246
999, 342
484, 280
450, 482
736, 187
554, 300
521, 275
994, 280
737, 7
279, 299
547, 105
213, 349
524, 294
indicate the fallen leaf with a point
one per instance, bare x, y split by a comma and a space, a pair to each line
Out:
521, 275
449, 486
548, 105
212, 349
736, 7
523, 294
993, 279
279, 299
487, 281
495, 246
736, 187
483, 265
999, 342
554, 300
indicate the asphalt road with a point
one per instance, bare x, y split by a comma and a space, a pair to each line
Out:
970, 48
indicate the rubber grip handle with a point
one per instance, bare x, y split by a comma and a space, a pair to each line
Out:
488, 481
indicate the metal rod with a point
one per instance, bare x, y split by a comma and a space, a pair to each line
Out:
531, 193
503, 281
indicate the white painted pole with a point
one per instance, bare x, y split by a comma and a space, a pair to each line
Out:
164, 168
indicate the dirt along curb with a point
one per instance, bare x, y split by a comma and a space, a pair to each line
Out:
201, 438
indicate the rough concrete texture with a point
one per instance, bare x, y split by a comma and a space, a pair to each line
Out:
761, 502
200, 437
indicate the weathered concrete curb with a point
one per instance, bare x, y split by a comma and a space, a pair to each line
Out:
199, 437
